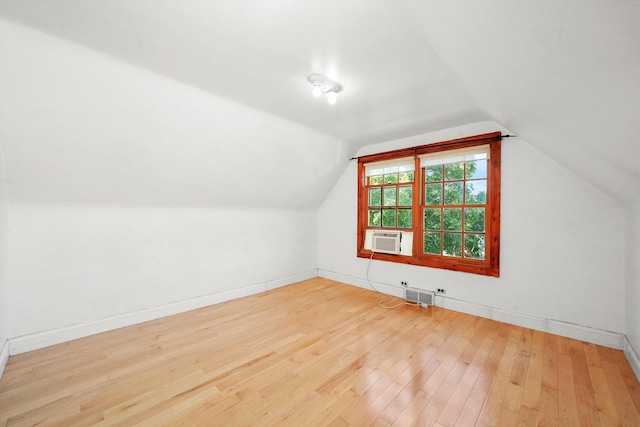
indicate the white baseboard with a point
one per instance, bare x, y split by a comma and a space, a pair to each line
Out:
4, 357
557, 327
632, 357
39, 340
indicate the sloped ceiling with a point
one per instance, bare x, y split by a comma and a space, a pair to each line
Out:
563, 75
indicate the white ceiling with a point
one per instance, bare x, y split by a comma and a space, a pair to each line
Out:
261, 52
564, 75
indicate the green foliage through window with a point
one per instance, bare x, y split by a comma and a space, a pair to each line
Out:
432, 243
390, 196
433, 194
404, 218
389, 218
375, 197
375, 218
454, 217
393, 192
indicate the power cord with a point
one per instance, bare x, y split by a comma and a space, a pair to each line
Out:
381, 303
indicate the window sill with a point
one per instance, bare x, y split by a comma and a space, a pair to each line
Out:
453, 265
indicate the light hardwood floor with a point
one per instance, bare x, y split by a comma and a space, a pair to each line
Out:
321, 353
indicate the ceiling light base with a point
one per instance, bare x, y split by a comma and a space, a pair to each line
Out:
324, 85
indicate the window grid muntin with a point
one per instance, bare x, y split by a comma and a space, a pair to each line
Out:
441, 175
391, 187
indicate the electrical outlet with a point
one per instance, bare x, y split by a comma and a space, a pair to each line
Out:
403, 283
441, 290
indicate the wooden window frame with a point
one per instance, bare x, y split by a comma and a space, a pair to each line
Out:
488, 267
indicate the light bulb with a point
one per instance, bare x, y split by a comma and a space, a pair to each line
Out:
332, 97
317, 90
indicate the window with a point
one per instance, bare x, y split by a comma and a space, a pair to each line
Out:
444, 197
390, 194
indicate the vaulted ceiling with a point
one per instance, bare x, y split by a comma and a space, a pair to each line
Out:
563, 75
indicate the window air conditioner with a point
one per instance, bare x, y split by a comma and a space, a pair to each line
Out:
386, 241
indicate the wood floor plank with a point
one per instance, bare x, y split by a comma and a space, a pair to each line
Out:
413, 410
367, 402
527, 417
630, 380
548, 412
446, 378
325, 354
533, 380
490, 413
452, 410
605, 404
509, 413
473, 405
624, 403
567, 402
587, 411
440, 397
410, 380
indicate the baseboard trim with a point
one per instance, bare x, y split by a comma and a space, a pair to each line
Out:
39, 340
632, 356
557, 327
4, 357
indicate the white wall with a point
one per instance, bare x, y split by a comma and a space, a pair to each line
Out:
132, 192
562, 257
4, 286
80, 264
632, 296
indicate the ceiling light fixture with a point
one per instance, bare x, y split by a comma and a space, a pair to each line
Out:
321, 84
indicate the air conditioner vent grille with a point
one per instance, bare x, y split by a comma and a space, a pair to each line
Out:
386, 241
419, 296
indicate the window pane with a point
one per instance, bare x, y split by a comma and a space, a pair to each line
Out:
433, 194
391, 178
432, 243
406, 176
476, 192
474, 246
452, 244
432, 219
453, 193
390, 196
433, 173
389, 218
404, 195
474, 219
375, 218
404, 218
375, 180
477, 169
453, 171
375, 197
453, 219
